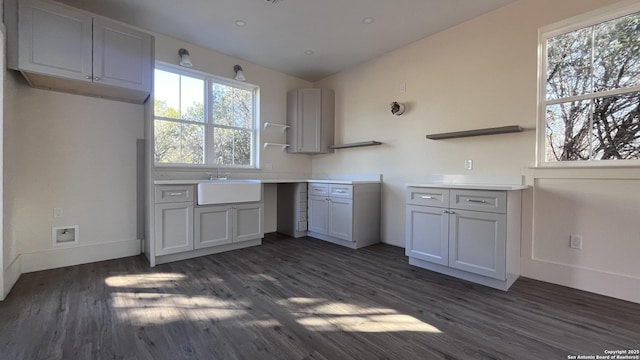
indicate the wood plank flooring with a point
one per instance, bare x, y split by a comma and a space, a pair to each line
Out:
300, 299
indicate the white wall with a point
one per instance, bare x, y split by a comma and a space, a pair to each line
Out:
73, 152
483, 73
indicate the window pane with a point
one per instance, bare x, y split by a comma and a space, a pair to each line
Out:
569, 64
192, 99
177, 142
617, 53
166, 92
616, 128
178, 96
232, 147
567, 131
232, 106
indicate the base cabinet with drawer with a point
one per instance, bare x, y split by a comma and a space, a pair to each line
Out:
174, 219
471, 234
345, 214
184, 230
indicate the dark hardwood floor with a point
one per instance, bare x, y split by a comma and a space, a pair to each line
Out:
300, 299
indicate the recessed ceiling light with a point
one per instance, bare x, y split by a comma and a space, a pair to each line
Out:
240, 23
368, 20
309, 52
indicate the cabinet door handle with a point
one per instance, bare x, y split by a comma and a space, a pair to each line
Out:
445, 211
476, 201
452, 212
175, 194
96, 78
89, 77
426, 197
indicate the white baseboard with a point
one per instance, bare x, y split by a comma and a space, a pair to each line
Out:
600, 282
11, 274
55, 258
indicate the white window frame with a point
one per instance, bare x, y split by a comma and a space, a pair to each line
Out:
209, 151
572, 24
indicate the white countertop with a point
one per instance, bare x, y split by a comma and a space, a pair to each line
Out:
265, 181
507, 187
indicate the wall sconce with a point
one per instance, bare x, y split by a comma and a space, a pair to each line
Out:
397, 108
239, 73
185, 59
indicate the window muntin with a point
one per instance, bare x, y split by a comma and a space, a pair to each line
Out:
590, 109
201, 120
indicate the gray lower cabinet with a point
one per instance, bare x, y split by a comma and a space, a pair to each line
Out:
213, 226
226, 224
173, 219
184, 230
345, 214
174, 228
471, 234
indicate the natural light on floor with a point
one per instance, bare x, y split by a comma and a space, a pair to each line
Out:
144, 281
326, 315
136, 301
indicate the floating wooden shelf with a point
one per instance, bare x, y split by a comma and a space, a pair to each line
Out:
477, 132
357, 144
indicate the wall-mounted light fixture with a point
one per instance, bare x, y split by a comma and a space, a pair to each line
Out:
185, 59
239, 73
397, 108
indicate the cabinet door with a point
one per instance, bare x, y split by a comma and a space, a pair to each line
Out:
427, 234
318, 214
174, 228
247, 222
213, 226
340, 218
54, 40
477, 242
309, 120
121, 56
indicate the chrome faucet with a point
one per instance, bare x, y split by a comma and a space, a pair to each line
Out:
217, 176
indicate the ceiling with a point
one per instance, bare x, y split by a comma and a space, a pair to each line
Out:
309, 39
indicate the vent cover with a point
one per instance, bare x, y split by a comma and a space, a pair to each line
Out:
272, 2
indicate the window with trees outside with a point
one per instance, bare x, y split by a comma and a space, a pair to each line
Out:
590, 91
203, 120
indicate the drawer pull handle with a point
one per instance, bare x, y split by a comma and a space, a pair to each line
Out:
426, 197
175, 194
340, 191
476, 201
318, 189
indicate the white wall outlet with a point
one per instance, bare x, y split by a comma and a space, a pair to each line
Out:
58, 213
468, 164
575, 241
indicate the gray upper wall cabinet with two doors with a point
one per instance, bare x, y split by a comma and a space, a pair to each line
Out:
64, 49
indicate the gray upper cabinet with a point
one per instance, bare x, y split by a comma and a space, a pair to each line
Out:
61, 48
310, 115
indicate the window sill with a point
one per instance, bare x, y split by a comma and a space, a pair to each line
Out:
585, 172
181, 167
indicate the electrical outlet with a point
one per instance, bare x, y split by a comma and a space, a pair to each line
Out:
58, 213
468, 164
575, 241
